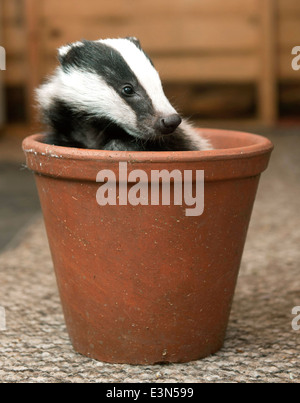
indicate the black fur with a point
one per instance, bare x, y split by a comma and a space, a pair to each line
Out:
79, 130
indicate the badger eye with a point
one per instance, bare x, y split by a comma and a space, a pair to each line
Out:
128, 90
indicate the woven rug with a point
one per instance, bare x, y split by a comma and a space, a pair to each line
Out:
261, 345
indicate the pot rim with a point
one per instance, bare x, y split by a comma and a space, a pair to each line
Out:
258, 145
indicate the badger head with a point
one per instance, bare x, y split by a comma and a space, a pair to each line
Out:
110, 79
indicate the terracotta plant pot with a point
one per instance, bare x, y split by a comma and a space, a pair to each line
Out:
144, 284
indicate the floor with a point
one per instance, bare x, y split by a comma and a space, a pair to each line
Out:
261, 345
19, 200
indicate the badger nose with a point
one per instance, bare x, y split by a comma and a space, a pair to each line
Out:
168, 124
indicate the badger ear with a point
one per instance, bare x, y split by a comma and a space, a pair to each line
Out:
135, 41
63, 51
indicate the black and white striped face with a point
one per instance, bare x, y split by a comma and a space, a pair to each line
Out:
113, 79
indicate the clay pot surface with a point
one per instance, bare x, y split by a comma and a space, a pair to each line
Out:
148, 284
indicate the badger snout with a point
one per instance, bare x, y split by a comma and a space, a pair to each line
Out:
167, 124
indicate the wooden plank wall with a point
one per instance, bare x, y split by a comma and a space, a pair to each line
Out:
191, 41
2, 109
14, 40
288, 37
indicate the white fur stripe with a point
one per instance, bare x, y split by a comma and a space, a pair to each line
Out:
198, 141
87, 91
145, 73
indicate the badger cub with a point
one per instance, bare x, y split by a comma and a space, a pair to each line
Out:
107, 95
